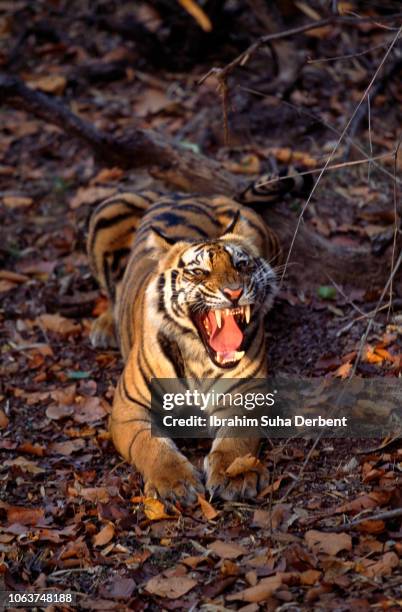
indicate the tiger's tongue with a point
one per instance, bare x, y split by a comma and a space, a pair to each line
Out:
226, 339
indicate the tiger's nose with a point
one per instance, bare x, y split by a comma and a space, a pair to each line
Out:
233, 294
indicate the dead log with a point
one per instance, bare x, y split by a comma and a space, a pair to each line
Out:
315, 258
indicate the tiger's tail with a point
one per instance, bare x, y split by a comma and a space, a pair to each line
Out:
270, 188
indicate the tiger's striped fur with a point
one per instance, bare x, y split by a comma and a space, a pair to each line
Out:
168, 264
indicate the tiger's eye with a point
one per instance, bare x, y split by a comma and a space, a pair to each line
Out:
243, 265
198, 272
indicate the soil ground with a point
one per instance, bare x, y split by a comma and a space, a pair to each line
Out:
72, 514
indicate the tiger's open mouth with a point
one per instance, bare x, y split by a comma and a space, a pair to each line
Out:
222, 332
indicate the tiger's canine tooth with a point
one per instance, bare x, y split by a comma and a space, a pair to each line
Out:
247, 313
218, 317
239, 354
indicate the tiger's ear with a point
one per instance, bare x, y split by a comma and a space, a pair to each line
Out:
158, 240
234, 225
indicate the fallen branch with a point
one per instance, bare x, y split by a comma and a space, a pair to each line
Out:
191, 172
139, 148
380, 516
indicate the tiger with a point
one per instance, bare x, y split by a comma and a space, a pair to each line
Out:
189, 280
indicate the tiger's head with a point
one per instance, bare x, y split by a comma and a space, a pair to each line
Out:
218, 291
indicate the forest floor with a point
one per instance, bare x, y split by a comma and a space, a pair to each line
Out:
72, 514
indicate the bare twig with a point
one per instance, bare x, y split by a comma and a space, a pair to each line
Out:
396, 222
355, 162
380, 516
311, 115
374, 91
243, 58
345, 129
370, 138
347, 56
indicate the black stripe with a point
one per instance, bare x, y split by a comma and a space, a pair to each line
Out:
172, 353
108, 222
117, 256
130, 397
108, 281
119, 201
134, 420
161, 288
130, 448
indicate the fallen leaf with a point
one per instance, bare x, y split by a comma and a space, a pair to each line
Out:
150, 102
57, 324
92, 494
138, 558
172, 587
39, 269
228, 568
309, 577
53, 84
58, 411
197, 13
322, 32
25, 465
194, 561
365, 501
386, 355
372, 474
241, 465
13, 277
154, 509
67, 448
104, 536
91, 409
371, 526
32, 449
65, 395
383, 566
343, 371
261, 518
25, 516
6, 538
4, 420
17, 202
6, 285
90, 195
226, 550
207, 509
329, 543
275, 518
271, 488
370, 356
118, 588
107, 174
260, 592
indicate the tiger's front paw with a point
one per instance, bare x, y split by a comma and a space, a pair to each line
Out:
244, 486
176, 481
102, 333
